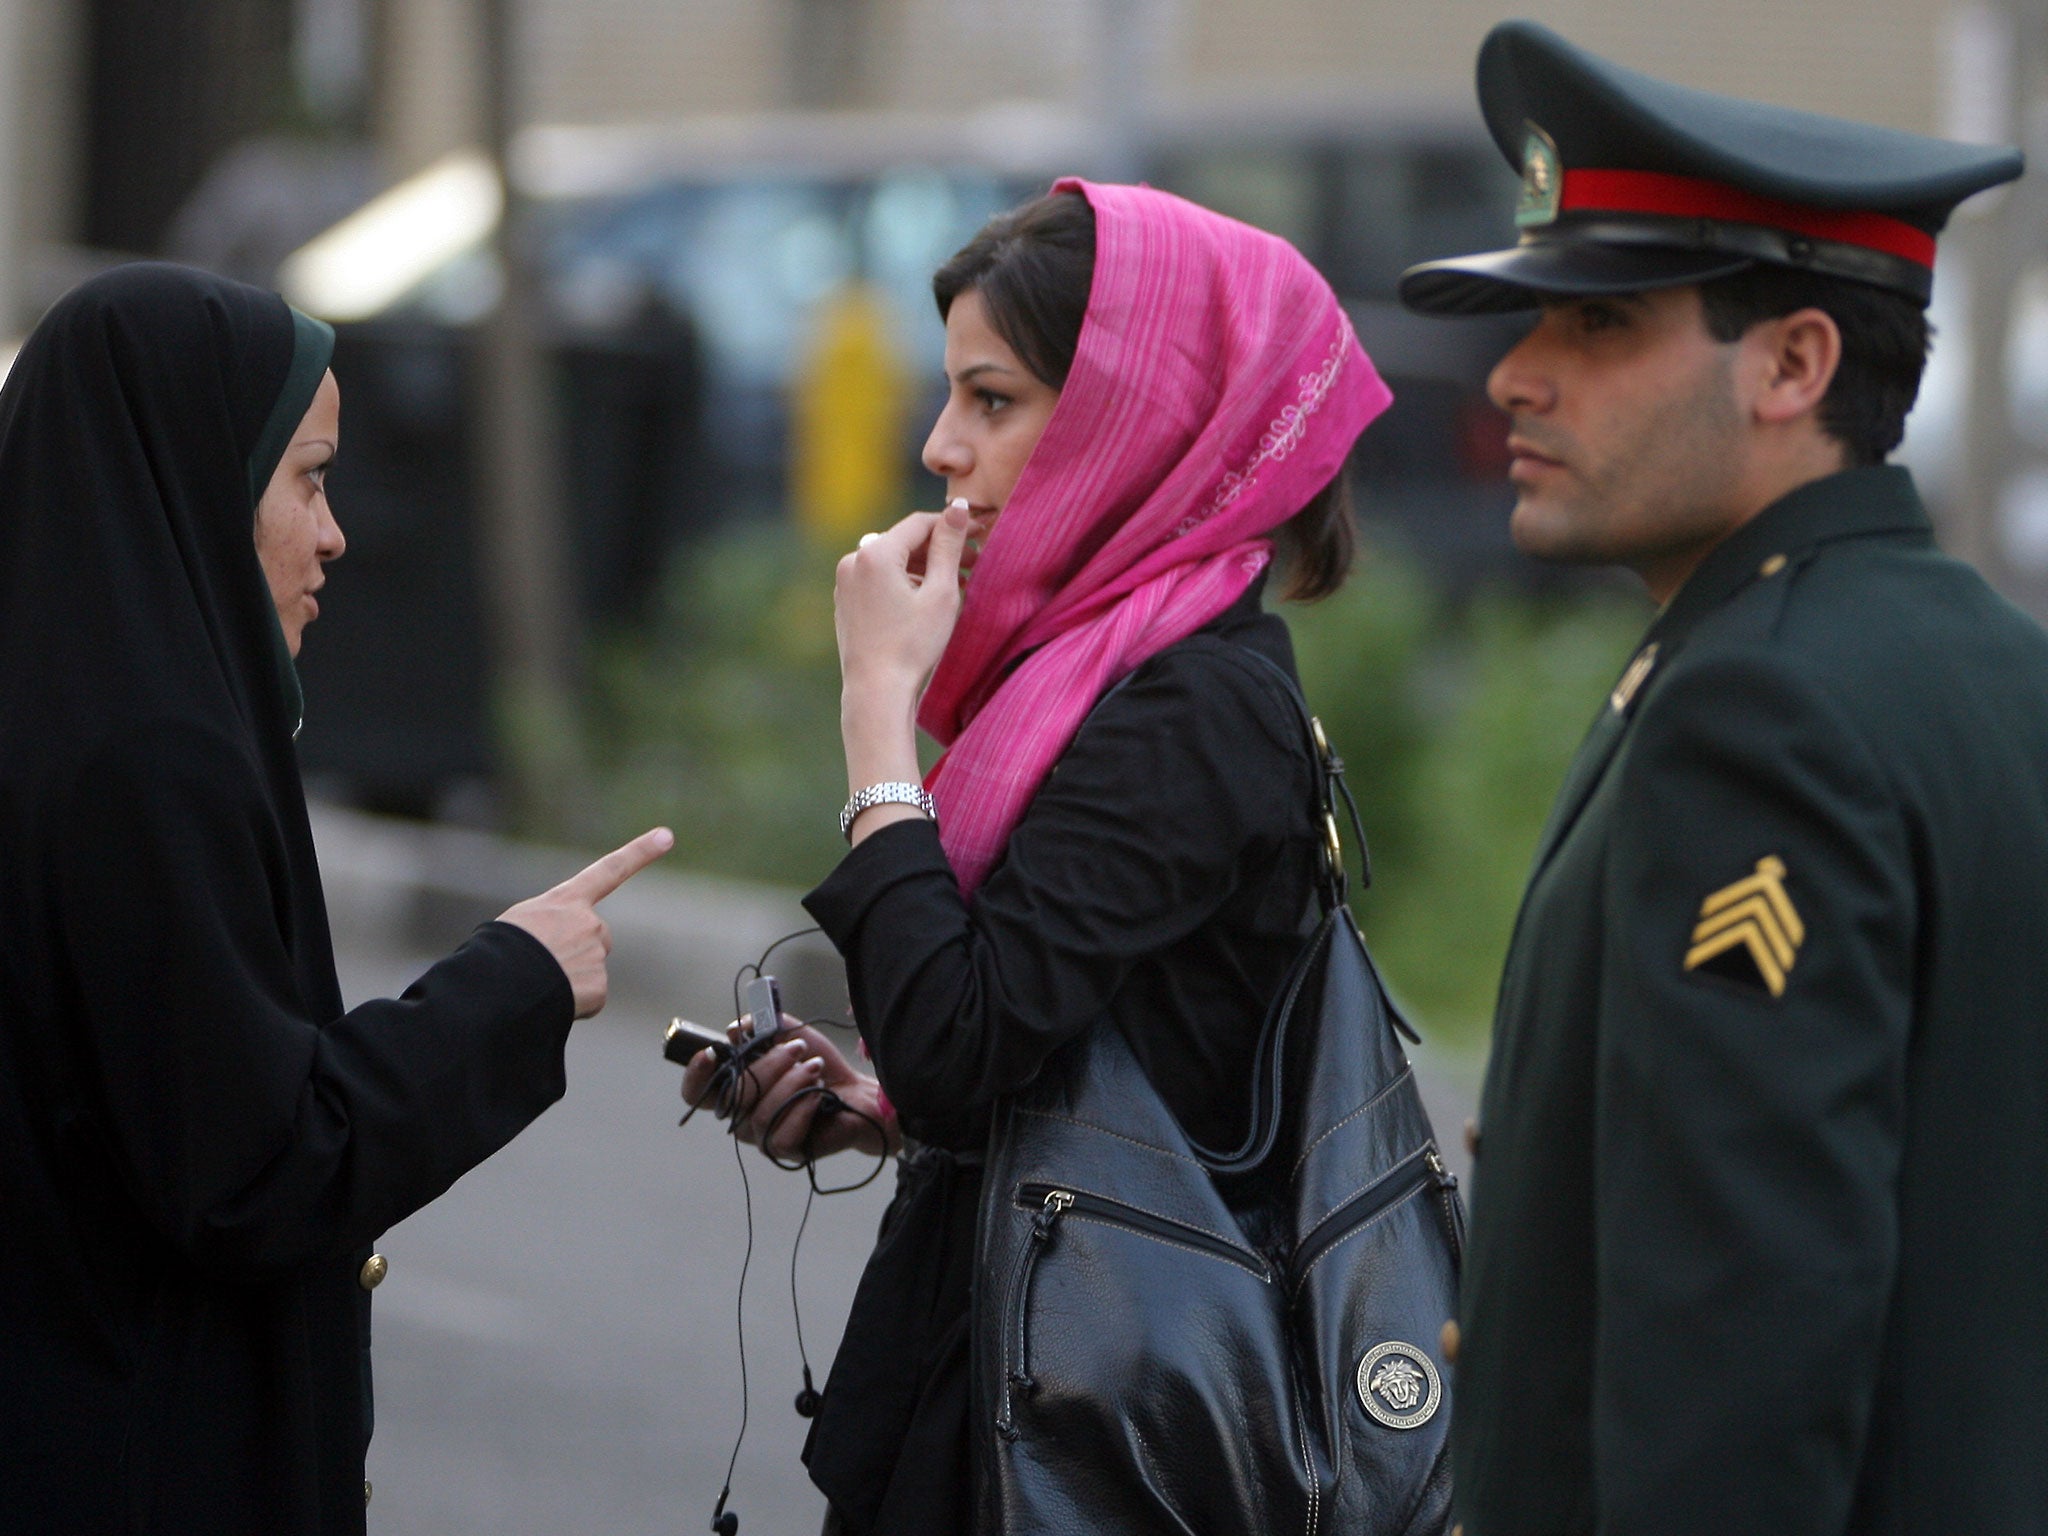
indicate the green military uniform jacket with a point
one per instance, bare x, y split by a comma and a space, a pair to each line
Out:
1760, 1232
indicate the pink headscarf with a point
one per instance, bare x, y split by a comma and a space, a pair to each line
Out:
1217, 386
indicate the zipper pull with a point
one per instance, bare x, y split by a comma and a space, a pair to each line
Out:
1056, 1203
1447, 1191
1017, 1378
1444, 1177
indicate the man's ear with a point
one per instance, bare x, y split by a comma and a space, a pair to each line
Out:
1792, 361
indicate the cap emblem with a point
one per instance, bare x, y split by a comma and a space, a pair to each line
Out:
1542, 181
1398, 1385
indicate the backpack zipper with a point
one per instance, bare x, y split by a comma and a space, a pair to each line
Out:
1054, 1203
1447, 1195
1404, 1179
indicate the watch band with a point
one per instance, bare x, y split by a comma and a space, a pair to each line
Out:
891, 792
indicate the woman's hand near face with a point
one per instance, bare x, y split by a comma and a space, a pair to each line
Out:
803, 1059
895, 601
894, 606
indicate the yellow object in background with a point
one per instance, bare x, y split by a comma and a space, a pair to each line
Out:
847, 410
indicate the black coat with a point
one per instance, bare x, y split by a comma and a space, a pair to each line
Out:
1161, 882
197, 1145
1757, 1236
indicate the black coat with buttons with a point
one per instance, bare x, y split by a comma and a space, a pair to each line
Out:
1757, 1230
196, 1161
197, 1143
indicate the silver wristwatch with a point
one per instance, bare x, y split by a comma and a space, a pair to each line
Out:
892, 792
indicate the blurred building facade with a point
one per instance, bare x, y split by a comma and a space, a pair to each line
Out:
112, 110
611, 60
39, 143
116, 115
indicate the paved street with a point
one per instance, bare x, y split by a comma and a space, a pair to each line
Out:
555, 1343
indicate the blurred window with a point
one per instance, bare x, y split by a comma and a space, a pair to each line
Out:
913, 222
1395, 205
764, 255
1273, 189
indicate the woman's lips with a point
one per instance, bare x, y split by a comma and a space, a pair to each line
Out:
981, 518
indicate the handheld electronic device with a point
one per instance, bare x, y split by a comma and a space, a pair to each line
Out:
762, 1001
685, 1039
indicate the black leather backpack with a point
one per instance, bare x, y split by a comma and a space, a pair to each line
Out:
1172, 1339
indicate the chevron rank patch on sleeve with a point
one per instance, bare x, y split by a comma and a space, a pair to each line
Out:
1749, 931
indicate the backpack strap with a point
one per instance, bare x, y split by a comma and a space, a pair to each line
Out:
1329, 786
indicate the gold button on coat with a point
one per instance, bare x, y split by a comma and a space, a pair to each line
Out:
374, 1269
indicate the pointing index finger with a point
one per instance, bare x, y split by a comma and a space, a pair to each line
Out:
600, 879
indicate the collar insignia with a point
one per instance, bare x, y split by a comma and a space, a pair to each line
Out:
1542, 181
1632, 680
1749, 931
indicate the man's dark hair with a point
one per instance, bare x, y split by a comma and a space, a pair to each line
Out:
1884, 347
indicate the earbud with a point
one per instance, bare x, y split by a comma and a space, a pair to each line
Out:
723, 1521
808, 1401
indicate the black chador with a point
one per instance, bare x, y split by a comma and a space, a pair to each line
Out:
197, 1145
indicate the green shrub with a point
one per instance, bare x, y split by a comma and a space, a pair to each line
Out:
722, 719
1456, 727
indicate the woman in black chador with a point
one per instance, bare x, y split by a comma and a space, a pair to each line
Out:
197, 1145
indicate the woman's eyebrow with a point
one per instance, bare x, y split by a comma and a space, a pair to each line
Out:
975, 370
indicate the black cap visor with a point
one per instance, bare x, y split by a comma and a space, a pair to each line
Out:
1523, 276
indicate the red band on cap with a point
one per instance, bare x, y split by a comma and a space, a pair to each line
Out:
1689, 197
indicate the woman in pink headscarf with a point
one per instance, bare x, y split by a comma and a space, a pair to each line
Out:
1149, 404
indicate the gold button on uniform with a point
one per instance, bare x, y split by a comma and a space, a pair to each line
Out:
1772, 566
375, 1267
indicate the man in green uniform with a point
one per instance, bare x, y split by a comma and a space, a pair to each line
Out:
1757, 1243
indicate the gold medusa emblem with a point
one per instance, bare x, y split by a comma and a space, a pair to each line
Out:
1749, 931
1398, 1385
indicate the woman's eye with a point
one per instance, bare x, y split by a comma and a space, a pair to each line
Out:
990, 400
